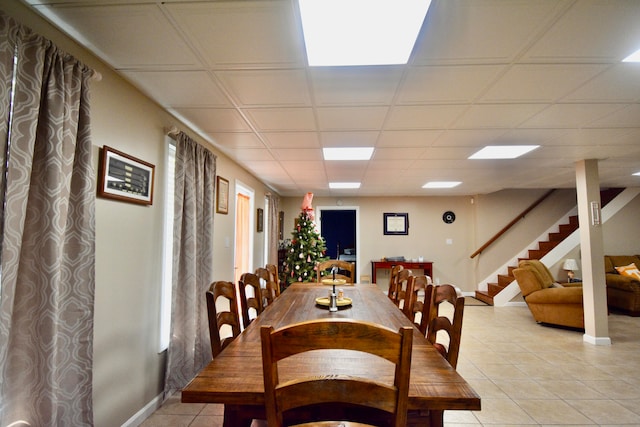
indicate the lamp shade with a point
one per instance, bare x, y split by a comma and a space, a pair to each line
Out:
570, 264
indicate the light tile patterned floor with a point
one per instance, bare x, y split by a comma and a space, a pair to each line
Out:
525, 373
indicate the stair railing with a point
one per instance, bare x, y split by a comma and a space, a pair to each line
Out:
511, 224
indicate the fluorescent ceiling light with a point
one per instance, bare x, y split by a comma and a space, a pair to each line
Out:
344, 185
441, 184
634, 57
637, 174
361, 32
503, 151
347, 153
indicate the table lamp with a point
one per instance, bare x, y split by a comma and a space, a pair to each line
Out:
570, 265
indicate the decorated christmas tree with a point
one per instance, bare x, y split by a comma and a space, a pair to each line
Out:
307, 247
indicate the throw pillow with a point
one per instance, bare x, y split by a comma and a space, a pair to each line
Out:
556, 285
630, 271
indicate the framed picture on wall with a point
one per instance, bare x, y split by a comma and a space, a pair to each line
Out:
222, 195
396, 224
124, 177
280, 225
260, 220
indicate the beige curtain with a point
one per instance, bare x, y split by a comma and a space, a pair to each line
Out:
272, 217
48, 234
189, 346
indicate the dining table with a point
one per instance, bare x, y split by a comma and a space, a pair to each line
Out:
234, 377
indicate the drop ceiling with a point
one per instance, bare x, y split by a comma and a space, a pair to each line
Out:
483, 72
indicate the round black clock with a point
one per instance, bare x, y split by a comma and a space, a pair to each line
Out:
448, 217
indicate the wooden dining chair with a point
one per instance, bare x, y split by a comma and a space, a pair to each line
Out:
273, 271
438, 322
393, 285
419, 291
402, 282
267, 286
347, 270
220, 320
341, 396
250, 297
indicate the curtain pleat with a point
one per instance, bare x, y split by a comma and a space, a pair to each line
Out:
189, 347
48, 234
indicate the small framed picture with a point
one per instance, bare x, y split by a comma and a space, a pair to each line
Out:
260, 220
124, 177
280, 225
396, 224
222, 195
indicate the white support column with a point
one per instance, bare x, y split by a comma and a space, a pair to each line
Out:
594, 291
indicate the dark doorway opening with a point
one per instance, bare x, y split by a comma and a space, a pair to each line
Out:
338, 227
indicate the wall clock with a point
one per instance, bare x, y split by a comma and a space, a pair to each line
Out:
448, 217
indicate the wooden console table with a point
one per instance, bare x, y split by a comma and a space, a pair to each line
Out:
426, 266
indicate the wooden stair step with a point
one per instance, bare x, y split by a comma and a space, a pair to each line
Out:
484, 297
494, 289
536, 253
547, 246
504, 280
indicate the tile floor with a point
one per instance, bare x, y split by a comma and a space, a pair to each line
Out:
526, 374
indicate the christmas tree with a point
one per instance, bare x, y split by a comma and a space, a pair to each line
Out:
307, 247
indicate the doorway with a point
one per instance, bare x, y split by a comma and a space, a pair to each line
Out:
243, 236
339, 226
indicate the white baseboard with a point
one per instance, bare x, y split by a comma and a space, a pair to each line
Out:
145, 412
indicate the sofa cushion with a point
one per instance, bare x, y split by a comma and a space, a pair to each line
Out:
540, 271
629, 271
613, 261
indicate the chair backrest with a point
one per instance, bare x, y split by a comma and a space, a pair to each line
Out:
267, 286
251, 300
220, 319
273, 271
393, 284
532, 276
324, 270
419, 291
402, 283
333, 388
451, 326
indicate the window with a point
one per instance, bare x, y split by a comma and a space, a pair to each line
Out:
167, 265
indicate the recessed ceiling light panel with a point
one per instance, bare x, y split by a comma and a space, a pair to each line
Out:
441, 184
634, 57
637, 174
339, 185
361, 32
503, 151
347, 153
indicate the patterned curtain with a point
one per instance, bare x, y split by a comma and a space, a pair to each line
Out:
189, 346
48, 234
272, 217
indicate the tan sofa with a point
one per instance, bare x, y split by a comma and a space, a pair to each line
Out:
623, 293
548, 301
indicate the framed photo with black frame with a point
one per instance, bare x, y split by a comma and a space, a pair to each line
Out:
124, 177
396, 224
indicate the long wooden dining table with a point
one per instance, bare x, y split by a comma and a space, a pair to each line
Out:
234, 377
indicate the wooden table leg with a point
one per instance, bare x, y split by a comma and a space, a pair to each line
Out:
236, 416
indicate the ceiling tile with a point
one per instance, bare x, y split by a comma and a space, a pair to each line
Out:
255, 88
423, 117
351, 118
180, 88
497, 115
454, 84
236, 140
292, 139
282, 119
242, 33
214, 120
355, 85
570, 115
540, 82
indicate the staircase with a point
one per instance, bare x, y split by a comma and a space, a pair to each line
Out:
553, 239
544, 247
